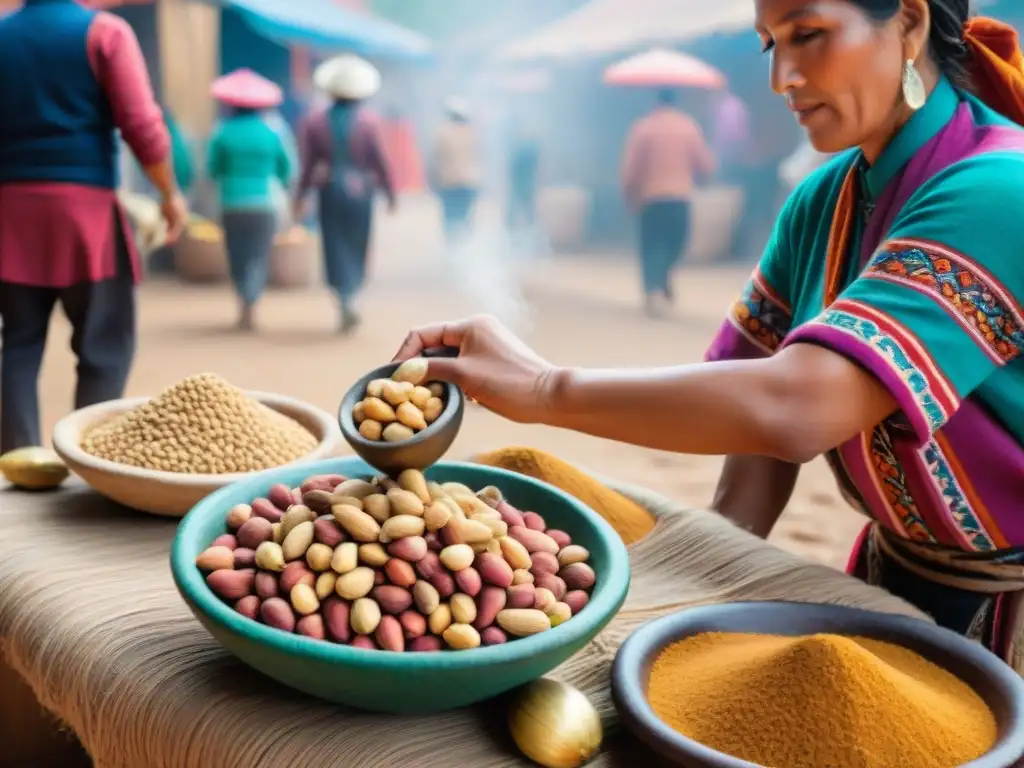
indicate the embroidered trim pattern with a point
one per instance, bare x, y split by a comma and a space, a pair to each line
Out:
761, 315
956, 503
898, 348
894, 485
962, 287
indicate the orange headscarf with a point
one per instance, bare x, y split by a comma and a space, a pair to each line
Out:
997, 66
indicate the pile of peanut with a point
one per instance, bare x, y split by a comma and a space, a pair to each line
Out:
202, 425
395, 409
405, 565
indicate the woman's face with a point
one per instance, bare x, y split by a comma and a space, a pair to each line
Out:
839, 70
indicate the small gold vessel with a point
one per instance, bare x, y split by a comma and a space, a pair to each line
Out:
34, 468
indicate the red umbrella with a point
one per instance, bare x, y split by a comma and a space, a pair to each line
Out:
663, 68
244, 88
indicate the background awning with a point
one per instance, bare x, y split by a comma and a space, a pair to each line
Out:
604, 27
327, 26
664, 68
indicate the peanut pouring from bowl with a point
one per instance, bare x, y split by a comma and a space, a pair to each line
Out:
396, 419
395, 409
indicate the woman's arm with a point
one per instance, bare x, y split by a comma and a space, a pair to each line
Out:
120, 68
792, 406
753, 491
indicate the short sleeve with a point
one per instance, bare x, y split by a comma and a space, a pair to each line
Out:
761, 317
936, 311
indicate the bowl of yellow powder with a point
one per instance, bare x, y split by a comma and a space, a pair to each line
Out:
799, 685
164, 454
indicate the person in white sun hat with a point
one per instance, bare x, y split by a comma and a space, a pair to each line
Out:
456, 168
343, 158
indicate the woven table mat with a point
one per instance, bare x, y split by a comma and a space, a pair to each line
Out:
90, 617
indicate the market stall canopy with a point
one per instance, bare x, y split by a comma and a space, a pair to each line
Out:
603, 27
328, 26
325, 25
664, 68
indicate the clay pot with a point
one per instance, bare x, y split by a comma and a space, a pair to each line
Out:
201, 260
713, 213
294, 261
564, 213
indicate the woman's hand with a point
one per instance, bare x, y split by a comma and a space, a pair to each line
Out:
494, 366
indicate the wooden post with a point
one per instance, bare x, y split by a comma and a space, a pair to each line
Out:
189, 33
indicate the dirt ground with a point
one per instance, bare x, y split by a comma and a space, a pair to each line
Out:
573, 309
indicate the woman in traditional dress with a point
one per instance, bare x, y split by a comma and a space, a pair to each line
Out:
343, 156
882, 327
251, 162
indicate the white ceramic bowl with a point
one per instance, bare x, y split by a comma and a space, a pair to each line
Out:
172, 494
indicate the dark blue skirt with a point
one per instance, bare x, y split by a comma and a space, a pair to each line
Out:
249, 237
345, 222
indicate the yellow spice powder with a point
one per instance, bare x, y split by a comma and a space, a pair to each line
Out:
820, 701
630, 520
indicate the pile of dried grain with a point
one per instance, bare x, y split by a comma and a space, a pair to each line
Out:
201, 425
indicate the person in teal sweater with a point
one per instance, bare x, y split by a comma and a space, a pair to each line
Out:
252, 163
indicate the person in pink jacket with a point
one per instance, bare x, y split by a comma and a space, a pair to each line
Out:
665, 157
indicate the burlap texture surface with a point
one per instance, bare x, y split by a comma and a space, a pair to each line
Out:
90, 617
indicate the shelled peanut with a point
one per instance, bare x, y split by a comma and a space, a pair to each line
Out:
397, 564
398, 408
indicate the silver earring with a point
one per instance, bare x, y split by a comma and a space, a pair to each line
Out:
913, 87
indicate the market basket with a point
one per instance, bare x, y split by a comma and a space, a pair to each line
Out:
294, 259
200, 256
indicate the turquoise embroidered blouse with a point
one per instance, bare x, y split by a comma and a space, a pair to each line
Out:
251, 162
930, 302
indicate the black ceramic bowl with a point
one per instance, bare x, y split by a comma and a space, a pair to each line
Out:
418, 452
998, 685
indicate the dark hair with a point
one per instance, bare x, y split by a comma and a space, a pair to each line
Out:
946, 37
666, 96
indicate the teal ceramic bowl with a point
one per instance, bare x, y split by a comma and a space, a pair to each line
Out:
403, 682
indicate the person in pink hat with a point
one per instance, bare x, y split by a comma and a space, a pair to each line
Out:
251, 164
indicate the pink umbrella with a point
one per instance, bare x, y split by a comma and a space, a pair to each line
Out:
244, 88
663, 68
